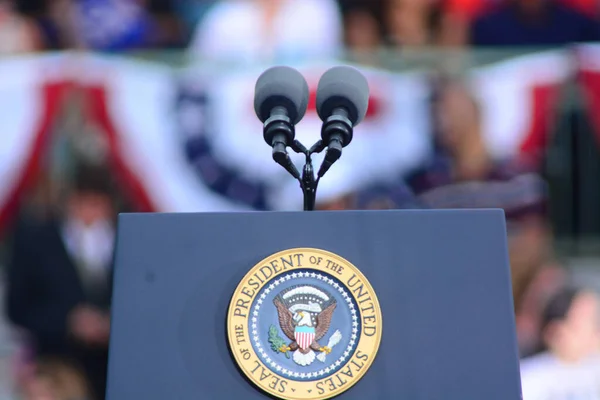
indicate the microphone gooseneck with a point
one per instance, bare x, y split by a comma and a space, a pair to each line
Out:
335, 132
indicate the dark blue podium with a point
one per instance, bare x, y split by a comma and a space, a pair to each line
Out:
442, 279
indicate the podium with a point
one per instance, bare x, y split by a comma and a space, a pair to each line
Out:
441, 279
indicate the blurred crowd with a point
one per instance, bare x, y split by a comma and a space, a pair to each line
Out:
221, 28
59, 271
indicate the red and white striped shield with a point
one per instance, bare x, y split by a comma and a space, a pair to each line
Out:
304, 336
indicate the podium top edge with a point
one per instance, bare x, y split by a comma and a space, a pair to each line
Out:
405, 211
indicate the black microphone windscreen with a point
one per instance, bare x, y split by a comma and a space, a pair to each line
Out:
343, 87
281, 87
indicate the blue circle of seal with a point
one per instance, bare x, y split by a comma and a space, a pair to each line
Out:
267, 335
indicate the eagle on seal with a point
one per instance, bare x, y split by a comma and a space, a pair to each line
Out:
305, 314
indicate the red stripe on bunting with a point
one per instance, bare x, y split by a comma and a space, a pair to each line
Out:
543, 113
126, 178
51, 94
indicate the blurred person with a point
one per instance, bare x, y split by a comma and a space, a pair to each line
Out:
570, 366
116, 25
386, 197
345, 202
588, 7
169, 29
421, 23
363, 32
533, 23
41, 14
18, 33
262, 30
191, 12
59, 279
407, 22
456, 18
463, 174
53, 380
377, 196
549, 280
468, 9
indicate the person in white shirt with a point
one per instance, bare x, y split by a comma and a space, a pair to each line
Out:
570, 367
263, 30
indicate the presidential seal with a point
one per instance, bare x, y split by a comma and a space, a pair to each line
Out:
304, 324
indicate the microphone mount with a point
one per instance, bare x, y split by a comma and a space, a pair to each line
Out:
337, 132
279, 132
308, 181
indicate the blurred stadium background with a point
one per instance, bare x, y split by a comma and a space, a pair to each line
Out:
113, 106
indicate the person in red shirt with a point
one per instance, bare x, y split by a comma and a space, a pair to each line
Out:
589, 7
467, 9
471, 9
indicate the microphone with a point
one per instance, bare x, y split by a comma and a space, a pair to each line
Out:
342, 102
280, 102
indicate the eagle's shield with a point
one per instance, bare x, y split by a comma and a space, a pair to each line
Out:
304, 336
